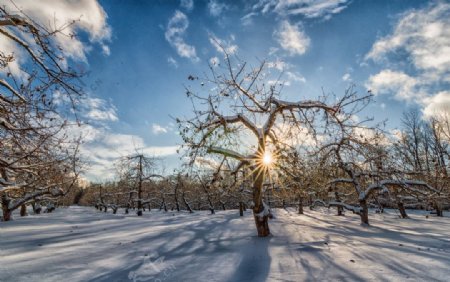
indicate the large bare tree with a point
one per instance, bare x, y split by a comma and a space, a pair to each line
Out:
37, 155
243, 107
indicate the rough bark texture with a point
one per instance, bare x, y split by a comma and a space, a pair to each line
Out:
261, 222
6, 210
262, 225
401, 208
300, 205
139, 212
23, 210
340, 209
241, 209
364, 213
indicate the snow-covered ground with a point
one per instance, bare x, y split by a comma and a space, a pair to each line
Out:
83, 244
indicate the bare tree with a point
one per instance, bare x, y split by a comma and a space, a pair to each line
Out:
37, 154
243, 105
138, 170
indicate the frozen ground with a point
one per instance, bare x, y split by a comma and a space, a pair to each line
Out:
82, 244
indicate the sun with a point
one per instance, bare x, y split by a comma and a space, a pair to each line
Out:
267, 159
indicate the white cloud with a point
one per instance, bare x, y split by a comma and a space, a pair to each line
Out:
400, 84
176, 29
222, 45
437, 105
9, 48
295, 77
248, 19
106, 50
214, 61
347, 77
292, 38
158, 129
278, 65
307, 8
425, 37
98, 109
87, 16
161, 151
101, 148
172, 62
216, 8
187, 4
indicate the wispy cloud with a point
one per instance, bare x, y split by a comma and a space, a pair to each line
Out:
216, 8
295, 77
292, 38
86, 15
347, 77
175, 32
97, 109
438, 104
423, 36
102, 148
214, 61
158, 129
307, 8
187, 4
172, 62
222, 45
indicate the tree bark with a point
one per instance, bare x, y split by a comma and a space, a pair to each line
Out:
241, 209
401, 208
364, 213
262, 225
23, 210
261, 221
300, 205
340, 209
139, 212
5, 208
438, 208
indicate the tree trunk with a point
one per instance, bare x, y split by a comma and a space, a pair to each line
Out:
260, 215
438, 208
262, 225
300, 205
6, 210
241, 209
23, 210
364, 213
37, 208
401, 208
186, 203
139, 212
340, 209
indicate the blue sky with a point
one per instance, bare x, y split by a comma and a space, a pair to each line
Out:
143, 52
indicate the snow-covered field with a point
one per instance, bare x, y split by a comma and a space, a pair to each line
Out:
83, 244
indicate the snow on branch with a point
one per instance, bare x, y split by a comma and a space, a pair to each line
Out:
227, 153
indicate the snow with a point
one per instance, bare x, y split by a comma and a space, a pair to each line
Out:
264, 212
83, 244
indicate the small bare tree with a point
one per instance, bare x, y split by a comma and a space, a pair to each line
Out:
137, 170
